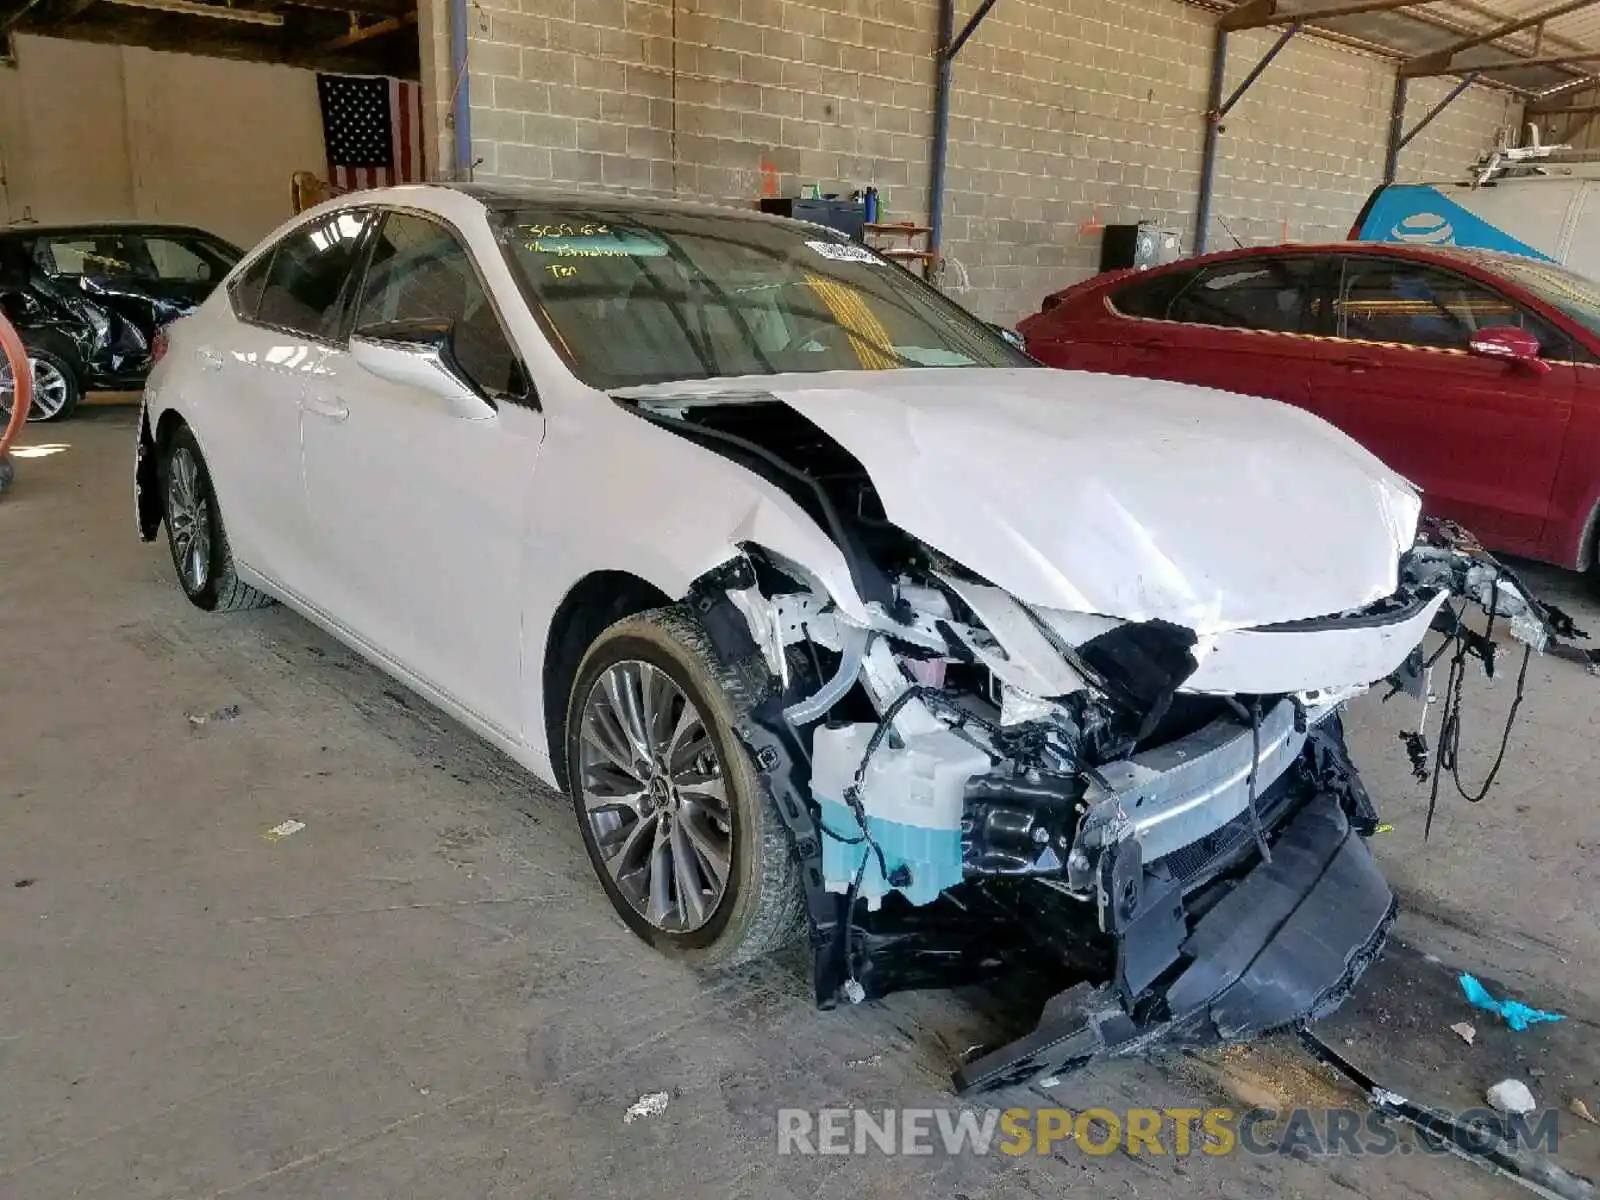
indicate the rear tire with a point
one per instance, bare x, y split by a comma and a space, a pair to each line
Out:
56, 387
195, 534
666, 794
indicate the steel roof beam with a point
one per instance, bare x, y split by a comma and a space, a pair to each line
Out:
364, 33
1254, 14
1543, 60
1442, 61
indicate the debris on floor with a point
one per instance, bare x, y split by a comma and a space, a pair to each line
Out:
230, 713
1512, 1096
1516, 1014
651, 1104
1272, 1074
870, 1060
1465, 1030
1581, 1110
288, 828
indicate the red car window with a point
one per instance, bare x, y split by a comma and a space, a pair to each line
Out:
1152, 295
1259, 293
1389, 300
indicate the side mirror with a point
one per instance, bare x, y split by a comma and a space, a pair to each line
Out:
416, 354
1010, 335
1509, 344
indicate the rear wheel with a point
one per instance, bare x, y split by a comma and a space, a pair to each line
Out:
679, 826
199, 544
56, 390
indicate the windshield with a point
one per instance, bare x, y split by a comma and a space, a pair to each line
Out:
1563, 290
635, 299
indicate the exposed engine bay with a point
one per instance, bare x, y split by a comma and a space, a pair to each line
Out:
972, 780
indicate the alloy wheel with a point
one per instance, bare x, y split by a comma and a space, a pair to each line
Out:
51, 389
189, 519
655, 795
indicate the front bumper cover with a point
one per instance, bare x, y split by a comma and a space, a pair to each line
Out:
1282, 948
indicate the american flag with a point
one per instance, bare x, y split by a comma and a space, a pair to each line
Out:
371, 130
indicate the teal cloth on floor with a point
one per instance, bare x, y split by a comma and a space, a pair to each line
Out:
1515, 1013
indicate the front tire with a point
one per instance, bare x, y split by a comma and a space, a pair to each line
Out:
56, 388
195, 535
680, 828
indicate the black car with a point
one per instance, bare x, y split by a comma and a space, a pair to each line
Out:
88, 301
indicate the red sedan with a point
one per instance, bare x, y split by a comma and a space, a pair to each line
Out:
1476, 375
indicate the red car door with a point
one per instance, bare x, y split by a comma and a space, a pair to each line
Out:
1239, 325
1482, 437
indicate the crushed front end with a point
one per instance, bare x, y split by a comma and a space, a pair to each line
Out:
1168, 817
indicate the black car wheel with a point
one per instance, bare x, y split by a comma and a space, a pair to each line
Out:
199, 544
683, 834
56, 389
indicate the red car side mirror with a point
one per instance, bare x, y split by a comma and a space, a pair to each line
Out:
1509, 344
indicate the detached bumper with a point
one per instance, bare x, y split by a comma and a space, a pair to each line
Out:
1284, 947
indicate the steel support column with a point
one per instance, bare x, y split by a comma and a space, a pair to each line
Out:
953, 47
1216, 109
1397, 125
1398, 140
1208, 153
941, 124
1255, 71
460, 100
948, 46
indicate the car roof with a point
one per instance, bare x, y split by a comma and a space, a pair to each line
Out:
31, 229
1470, 255
509, 198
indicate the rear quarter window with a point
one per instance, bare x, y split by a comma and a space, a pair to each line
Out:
1268, 294
245, 291
1152, 296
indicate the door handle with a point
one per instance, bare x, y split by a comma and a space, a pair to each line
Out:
210, 360
333, 408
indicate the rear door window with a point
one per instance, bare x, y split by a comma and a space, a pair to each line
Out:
109, 255
65, 256
246, 290
177, 259
1268, 294
304, 286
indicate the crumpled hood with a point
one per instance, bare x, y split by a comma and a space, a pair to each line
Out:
1126, 497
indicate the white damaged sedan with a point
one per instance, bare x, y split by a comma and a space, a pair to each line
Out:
835, 615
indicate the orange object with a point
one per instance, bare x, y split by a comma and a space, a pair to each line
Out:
22, 383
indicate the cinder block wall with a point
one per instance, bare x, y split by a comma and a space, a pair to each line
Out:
1067, 115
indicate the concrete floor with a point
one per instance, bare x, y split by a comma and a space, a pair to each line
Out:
423, 992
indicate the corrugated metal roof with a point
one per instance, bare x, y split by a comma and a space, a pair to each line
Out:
1580, 28
1423, 29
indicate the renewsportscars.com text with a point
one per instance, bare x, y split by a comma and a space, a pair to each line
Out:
1156, 1131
